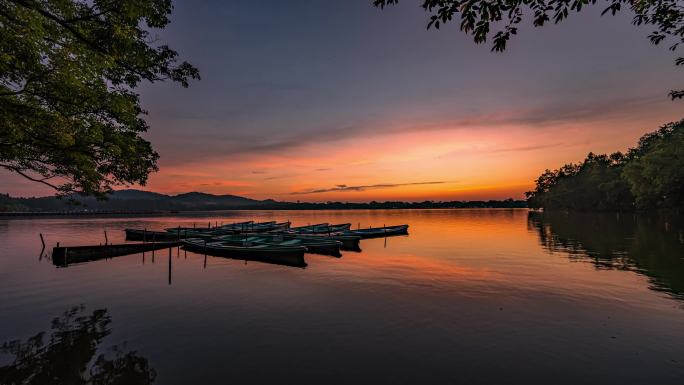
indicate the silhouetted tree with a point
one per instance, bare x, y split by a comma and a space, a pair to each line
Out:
69, 116
594, 184
499, 20
655, 170
649, 176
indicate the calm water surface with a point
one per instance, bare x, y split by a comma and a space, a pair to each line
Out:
469, 297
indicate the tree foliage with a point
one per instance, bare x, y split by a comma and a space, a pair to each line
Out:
69, 116
656, 169
649, 176
594, 184
499, 20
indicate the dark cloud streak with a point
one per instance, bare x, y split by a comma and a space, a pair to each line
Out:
345, 188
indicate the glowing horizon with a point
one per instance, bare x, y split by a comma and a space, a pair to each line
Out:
359, 105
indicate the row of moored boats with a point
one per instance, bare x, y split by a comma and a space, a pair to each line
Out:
268, 241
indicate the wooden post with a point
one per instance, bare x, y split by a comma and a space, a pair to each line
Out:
144, 234
106, 240
42, 240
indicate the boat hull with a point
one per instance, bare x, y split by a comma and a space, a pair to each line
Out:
318, 245
289, 256
348, 242
152, 236
380, 232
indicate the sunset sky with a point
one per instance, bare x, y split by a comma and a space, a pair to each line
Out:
336, 100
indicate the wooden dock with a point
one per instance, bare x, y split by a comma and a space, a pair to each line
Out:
64, 256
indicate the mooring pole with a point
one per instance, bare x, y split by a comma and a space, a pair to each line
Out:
169, 266
106, 240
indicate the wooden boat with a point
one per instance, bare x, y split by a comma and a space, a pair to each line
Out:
205, 229
321, 228
261, 228
379, 232
235, 225
64, 256
242, 228
317, 245
282, 255
152, 236
349, 242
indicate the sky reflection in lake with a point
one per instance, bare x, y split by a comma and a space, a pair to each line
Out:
470, 296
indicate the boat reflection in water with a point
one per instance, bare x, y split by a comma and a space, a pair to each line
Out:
651, 246
68, 355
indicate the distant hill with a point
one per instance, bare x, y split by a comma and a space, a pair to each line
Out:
133, 200
137, 200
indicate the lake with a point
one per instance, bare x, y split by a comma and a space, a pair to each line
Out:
468, 297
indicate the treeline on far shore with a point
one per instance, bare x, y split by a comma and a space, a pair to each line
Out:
153, 202
645, 178
507, 203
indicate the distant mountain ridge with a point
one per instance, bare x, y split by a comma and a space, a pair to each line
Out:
145, 201
132, 200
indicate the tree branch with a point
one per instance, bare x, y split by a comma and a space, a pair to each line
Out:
20, 172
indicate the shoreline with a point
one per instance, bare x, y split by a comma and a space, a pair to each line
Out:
62, 214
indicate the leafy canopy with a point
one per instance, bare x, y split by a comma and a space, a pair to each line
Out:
655, 171
649, 176
499, 20
69, 116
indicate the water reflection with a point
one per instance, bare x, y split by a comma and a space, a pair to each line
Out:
652, 246
66, 355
